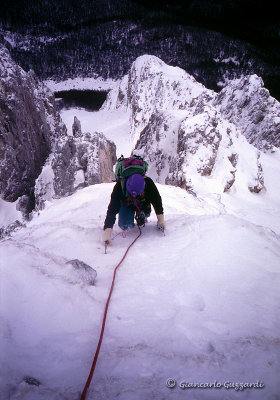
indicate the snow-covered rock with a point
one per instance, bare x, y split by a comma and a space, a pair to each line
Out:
203, 153
44, 188
183, 131
81, 272
246, 103
29, 125
151, 86
35, 147
76, 162
117, 96
10, 229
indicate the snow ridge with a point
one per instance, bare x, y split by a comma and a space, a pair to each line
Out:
186, 139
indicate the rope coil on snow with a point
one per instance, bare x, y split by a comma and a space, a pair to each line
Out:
83, 396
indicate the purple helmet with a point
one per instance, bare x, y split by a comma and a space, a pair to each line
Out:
135, 184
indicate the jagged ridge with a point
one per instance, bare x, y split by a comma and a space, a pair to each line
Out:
181, 129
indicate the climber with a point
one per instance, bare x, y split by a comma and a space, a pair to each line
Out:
133, 201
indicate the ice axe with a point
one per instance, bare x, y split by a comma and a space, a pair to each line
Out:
161, 229
106, 244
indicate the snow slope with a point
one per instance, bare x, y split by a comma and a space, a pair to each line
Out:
197, 305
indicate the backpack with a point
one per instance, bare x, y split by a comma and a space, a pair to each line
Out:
129, 166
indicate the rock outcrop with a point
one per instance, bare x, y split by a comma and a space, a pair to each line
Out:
180, 128
248, 105
81, 272
152, 86
29, 126
76, 162
117, 97
203, 153
76, 128
191, 136
39, 161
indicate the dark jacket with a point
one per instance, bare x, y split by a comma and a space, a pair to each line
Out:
151, 196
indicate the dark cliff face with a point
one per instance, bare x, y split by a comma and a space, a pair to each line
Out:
29, 124
38, 160
214, 41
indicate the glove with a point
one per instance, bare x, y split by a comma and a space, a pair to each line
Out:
160, 222
107, 236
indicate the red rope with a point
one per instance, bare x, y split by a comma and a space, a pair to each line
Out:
83, 396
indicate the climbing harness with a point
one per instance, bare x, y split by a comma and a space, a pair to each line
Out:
83, 396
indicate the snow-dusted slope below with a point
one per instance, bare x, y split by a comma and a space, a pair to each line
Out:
198, 305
